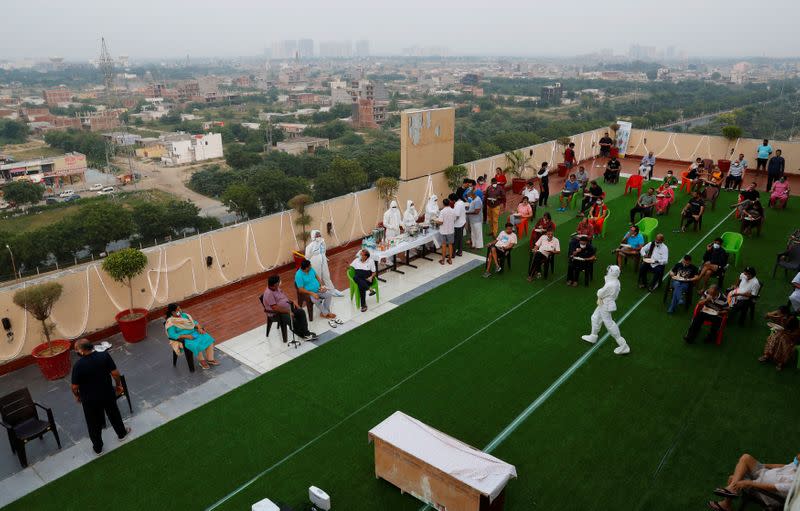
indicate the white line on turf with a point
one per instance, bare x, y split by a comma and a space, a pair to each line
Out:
378, 397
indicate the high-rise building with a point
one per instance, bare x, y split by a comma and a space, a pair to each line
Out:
336, 49
286, 49
362, 48
305, 48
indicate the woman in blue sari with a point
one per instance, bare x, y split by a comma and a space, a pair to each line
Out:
182, 328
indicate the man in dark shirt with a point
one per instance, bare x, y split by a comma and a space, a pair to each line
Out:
605, 146
91, 386
750, 193
693, 211
713, 307
682, 276
581, 257
277, 304
495, 203
591, 195
611, 175
775, 168
714, 259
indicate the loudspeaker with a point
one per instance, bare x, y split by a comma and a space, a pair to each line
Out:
6, 323
209, 261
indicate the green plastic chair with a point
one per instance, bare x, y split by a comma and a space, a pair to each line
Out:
732, 243
647, 227
605, 225
576, 199
351, 273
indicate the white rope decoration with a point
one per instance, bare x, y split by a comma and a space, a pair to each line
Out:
360, 220
219, 264
734, 149
294, 234
666, 145
23, 337
82, 329
110, 297
333, 224
252, 235
280, 244
202, 261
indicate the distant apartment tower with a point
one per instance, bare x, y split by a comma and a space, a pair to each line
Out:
368, 113
58, 95
305, 48
362, 48
339, 93
335, 49
552, 93
286, 49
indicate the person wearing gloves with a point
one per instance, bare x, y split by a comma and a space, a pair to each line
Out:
392, 221
606, 304
317, 253
410, 215
432, 210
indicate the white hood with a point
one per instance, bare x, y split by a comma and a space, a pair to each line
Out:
410, 215
612, 272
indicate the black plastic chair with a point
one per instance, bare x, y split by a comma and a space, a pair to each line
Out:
765, 500
789, 260
304, 300
125, 392
688, 296
21, 420
186, 353
505, 264
276, 319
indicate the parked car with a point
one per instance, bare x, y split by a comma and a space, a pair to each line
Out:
108, 190
51, 200
66, 193
96, 187
72, 198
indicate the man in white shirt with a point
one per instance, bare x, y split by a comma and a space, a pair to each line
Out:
736, 174
499, 248
655, 256
749, 474
649, 162
794, 298
532, 194
475, 221
742, 296
461, 220
447, 229
545, 248
364, 276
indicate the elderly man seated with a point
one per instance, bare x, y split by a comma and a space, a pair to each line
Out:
655, 256
644, 205
582, 256
712, 308
498, 249
629, 246
545, 248
682, 276
741, 297
278, 306
750, 474
309, 283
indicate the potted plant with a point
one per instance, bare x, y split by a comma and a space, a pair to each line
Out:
455, 175
387, 189
122, 266
303, 220
52, 356
516, 163
731, 132
562, 142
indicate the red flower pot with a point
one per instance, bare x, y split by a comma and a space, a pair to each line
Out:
53, 359
562, 169
132, 324
518, 184
724, 165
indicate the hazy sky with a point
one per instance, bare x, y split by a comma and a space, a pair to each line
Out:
205, 28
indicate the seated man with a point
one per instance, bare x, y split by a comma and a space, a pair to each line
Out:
644, 205
682, 276
571, 187
741, 296
712, 308
751, 474
365, 274
655, 256
581, 258
747, 196
309, 283
611, 175
583, 177
752, 218
630, 245
278, 306
591, 195
546, 247
693, 211
715, 259
735, 173
498, 249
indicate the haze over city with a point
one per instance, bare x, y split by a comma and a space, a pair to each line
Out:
151, 29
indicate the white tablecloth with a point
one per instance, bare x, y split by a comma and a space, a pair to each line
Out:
407, 244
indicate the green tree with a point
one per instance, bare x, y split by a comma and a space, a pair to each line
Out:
274, 188
29, 249
13, 132
345, 176
242, 200
104, 222
239, 158
464, 152
151, 220
63, 239
23, 192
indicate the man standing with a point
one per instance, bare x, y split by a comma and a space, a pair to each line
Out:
763, 153
91, 386
655, 256
461, 221
649, 161
447, 228
644, 205
309, 283
495, 202
569, 156
277, 305
606, 304
605, 146
736, 173
775, 169
474, 219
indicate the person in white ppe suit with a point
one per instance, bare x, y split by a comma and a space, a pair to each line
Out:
392, 220
432, 210
410, 215
316, 252
606, 304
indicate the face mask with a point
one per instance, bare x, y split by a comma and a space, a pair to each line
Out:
494, 185
583, 245
715, 245
658, 243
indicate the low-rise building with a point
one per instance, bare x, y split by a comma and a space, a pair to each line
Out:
57, 96
303, 145
291, 129
56, 171
184, 148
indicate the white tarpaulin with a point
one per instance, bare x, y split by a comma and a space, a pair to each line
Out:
475, 468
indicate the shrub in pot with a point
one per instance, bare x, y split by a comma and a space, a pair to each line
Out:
516, 163
303, 220
731, 132
455, 175
122, 266
52, 356
387, 189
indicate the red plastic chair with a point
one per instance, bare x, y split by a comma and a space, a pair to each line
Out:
686, 183
634, 182
708, 323
522, 228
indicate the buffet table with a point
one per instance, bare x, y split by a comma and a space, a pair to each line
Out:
406, 245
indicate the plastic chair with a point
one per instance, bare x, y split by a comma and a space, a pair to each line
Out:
186, 353
688, 296
351, 273
634, 182
21, 419
647, 227
732, 243
722, 325
522, 228
789, 260
686, 183
605, 223
577, 198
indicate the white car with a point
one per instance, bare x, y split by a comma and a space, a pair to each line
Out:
96, 187
66, 193
108, 190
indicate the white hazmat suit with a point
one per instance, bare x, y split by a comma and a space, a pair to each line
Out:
392, 221
316, 252
606, 304
410, 215
432, 210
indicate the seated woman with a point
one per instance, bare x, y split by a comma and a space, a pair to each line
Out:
543, 225
183, 329
597, 215
665, 196
780, 193
783, 339
524, 212
751, 474
671, 180
752, 218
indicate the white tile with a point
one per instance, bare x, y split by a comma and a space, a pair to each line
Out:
18, 485
273, 362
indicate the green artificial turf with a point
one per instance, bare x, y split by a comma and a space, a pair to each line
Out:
657, 429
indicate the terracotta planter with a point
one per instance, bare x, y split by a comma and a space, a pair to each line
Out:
518, 184
133, 330
562, 169
53, 366
724, 165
